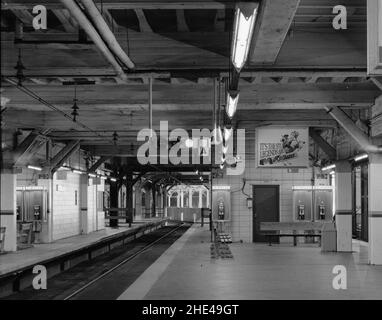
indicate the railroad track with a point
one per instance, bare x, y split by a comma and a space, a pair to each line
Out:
107, 276
133, 256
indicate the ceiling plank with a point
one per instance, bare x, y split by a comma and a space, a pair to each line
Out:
274, 20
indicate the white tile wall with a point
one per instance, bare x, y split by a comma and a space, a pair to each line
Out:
241, 215
66, 214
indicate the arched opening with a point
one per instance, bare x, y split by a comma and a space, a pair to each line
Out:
195, 199
174, 200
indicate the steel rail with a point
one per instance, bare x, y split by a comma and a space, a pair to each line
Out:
134, 255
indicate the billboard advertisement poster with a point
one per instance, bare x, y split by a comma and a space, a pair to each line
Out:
282, 147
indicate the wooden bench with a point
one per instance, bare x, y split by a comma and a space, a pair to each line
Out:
291, 229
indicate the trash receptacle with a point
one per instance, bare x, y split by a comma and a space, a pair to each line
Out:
329, 237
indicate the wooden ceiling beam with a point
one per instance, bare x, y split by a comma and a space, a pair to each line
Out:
70, 25
323, 144
24, 16
144, 25
220, 20
273, 22
129, 4
181, 21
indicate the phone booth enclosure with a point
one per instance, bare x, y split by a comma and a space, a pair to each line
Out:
323, 199
302, 200
221, 205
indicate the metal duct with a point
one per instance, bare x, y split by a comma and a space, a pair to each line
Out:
106, 33
349, 126
85, 24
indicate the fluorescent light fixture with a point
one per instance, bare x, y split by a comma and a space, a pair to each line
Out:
361, 157
221, 188
232, 100
113, 179
92, 175
302, 188
227, 133
245, 17
332, 172
63, 168
103, 177
330, 167
309, 188
77, 171
34, 168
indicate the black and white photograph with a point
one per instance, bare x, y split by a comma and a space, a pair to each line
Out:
189, 158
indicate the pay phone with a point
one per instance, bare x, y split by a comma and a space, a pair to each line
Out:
302, 205
37, 212
18, 213
301, 211
221, 210
321, 211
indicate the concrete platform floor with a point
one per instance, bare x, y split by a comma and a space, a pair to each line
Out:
41, 252
257, 271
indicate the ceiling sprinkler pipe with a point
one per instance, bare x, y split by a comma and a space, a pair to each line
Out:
85, 24
106, 34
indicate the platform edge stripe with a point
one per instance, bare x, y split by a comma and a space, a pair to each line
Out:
141, 287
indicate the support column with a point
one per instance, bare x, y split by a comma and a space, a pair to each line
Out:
113, 203
166, 203
8, 217
344, 206
200, 198
83, 202
129, 198
181, 199
375, 209
148, 203
153, 213
190, 198
138, 201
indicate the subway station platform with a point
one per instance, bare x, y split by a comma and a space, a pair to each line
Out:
188, 271
15, 262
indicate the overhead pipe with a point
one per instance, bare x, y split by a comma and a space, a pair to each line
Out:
351, 128
85, 24
106, 33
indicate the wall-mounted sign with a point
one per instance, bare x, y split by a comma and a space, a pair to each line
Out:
374, 37
282, 147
